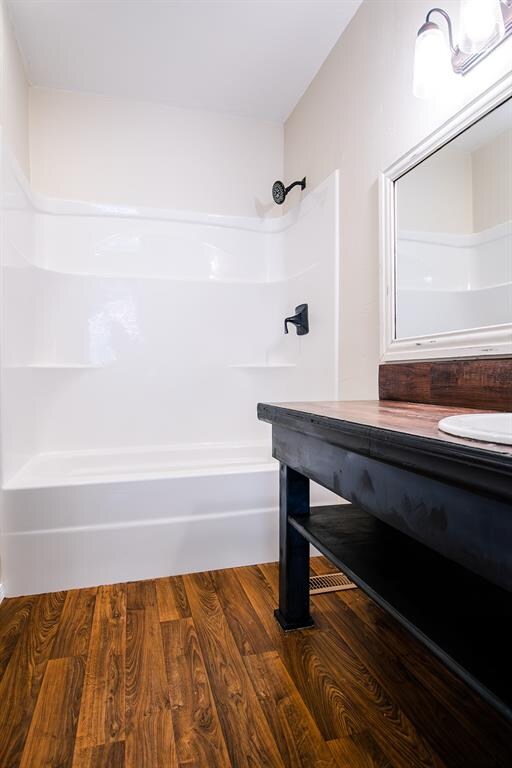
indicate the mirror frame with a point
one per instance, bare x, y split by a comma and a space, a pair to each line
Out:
493, 340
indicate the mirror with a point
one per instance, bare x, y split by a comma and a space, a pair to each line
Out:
448, 286
454, 233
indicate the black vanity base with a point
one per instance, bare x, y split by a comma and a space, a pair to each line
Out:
428, 533
458, 615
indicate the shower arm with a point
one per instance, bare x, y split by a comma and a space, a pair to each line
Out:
301, 184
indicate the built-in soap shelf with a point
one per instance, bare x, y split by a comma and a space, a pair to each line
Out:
22, 264
54, 366
55, 272
262, 366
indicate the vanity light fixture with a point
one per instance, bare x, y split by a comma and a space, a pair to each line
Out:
484, 25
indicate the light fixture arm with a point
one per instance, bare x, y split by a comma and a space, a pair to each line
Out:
454, 49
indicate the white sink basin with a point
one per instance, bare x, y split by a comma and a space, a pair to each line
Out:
488, 427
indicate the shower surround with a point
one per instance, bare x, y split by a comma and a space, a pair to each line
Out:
135, 346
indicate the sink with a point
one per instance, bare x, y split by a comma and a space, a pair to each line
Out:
488, 427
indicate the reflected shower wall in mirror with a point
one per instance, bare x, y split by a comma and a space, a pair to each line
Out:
454, 233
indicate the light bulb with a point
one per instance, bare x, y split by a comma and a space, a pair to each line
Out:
431, 61
481, 22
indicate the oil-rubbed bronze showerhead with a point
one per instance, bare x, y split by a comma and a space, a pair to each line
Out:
279, 191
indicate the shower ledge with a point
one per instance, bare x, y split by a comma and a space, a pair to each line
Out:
263, 365
160, 276
56, 366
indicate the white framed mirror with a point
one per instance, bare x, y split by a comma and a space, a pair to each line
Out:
446, 238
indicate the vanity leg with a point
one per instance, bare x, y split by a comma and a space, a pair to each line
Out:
293, 611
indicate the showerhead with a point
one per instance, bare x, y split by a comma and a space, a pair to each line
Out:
279, 191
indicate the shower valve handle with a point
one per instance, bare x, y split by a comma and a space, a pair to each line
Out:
300, 320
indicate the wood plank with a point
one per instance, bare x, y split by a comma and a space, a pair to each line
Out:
359, 751
458, 613
22, 679
14, 613
470, 711
104, 756
140, 595
333, 711
248, 737
332, 705
319, 566
293, 727
361, 681
102, 712
74, 631
260, 595
247, 630
270, 572
392, 730
51, 737
484, 383
429, 714
317, 670
172, 598
149, 730
199, 738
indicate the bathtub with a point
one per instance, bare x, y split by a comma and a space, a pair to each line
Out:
83, 518
131, 341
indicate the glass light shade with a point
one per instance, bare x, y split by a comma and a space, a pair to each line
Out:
432, 65
481, 22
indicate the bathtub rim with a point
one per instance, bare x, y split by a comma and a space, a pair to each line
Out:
20, 480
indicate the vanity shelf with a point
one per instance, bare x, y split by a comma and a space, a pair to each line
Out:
459, 615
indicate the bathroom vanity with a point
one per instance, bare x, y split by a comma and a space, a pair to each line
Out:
427, 532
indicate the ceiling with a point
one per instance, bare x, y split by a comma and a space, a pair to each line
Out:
245, 57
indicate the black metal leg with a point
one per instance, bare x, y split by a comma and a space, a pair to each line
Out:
293, 611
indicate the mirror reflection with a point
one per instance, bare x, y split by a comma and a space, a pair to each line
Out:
454, 233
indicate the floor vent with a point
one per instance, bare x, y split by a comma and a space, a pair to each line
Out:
329, 582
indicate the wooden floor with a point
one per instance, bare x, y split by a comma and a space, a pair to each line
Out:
194, 671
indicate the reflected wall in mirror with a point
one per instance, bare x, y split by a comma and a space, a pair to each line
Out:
453, 269
446, 238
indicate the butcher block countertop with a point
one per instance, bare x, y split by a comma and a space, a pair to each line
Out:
413, 419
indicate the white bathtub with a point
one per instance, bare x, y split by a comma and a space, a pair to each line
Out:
79, 519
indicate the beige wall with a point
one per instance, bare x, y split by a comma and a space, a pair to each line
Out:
359, 115
112, 150
492, 182
14, 90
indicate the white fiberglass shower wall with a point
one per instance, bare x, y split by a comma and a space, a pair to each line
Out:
136, 344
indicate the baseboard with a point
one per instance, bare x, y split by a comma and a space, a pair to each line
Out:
2, 592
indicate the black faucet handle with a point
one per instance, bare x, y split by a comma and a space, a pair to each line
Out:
300, 320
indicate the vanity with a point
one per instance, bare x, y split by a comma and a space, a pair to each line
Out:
427, 532
424, 526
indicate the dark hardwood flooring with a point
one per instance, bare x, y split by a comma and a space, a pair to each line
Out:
194, 672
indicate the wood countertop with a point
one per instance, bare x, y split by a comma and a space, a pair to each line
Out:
412, 419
